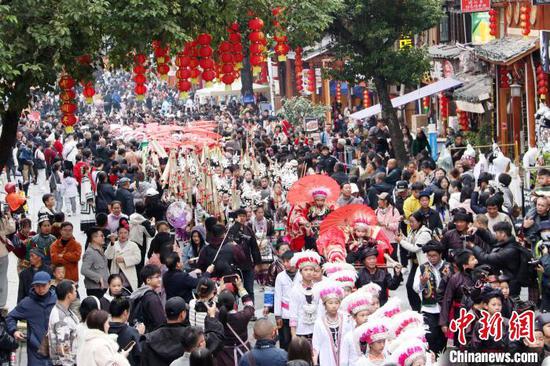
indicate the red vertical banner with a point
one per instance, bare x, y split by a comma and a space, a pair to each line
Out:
472, 6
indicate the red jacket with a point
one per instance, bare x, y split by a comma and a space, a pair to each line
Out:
58, 146
67, 255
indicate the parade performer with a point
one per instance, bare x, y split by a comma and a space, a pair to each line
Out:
302, 305
312, 199
358, 222
329, 328
372, 335
343, 273
358, 306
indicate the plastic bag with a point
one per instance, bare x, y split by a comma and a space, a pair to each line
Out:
445, 161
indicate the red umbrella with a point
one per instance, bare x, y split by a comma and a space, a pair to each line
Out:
303, 189
348, 215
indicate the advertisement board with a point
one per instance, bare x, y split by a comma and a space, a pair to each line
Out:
473, 6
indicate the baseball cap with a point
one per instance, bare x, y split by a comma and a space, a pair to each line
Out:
151, 192
123, 180
384, 196
41, 278
174, 306
424, 194
401, 185
354, 188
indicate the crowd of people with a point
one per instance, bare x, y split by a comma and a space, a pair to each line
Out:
327, 227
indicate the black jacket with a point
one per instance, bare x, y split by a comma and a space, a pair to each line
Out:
326, 164
127, 199
165, 344
25, 280
126, 334
105, 195
340, 177
154, 207
382, 278
245, 237
433, 220
8, 344
146, 307
374, 190
393, 176
162, 244
229, 258
180, 283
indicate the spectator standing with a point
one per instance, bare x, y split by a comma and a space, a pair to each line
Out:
7, 227
94, 264
35, 309
49, 207
125, 255
26, 276
67, 251
177, 282
119, 309
145, 301
44, 239
389, 219
69, 186
62, 326
265, 351
8, 344
99, 348
125, 197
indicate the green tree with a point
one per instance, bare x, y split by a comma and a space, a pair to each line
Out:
295, 110
366, 34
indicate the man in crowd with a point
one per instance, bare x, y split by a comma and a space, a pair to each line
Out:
62, 326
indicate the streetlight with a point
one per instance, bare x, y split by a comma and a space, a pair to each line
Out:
515, 90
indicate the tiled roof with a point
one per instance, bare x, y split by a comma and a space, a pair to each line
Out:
476, 88
507, 49
445, 51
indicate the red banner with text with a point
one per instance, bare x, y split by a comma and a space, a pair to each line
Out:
472, 6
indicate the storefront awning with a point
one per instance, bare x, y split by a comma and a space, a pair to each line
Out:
420, 93
476, 89
507, 50
470, 107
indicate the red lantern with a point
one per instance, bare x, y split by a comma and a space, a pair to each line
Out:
140, 90
228, 79
66, 82
68, 108
163, 69
140, 59
226, 57
255, 24
298, 70
205, 51
89, 93
366, 98
234, 28
235, 38
67, 95
208, 75
525, 23
204, 39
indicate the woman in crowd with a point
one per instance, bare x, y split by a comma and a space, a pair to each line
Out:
94, 264
205, 293
124, 255
105, 193
192, 249
86, 307
115, 290
100, 349
115, 215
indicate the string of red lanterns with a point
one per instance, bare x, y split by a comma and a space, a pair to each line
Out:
227, 69
444, 106
206, 62
542, 83
68, 105
139, 76
338, 93
311, 79
257, 44
503, 73
298, 70
463, 120
493, 22
281, 46
366, 98
235, 38
525, 19
163, 59
183, 74
88, 92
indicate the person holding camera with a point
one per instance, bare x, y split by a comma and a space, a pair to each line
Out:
543, 247
245, 238
505, 256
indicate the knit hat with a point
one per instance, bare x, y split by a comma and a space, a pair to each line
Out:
38, 252
43, 217
328, 289
375, 329
307, 258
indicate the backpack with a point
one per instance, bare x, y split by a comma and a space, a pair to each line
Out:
137, 314
527, 271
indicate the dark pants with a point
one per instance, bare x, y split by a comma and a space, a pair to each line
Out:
248, 281
403, 256
139, 266
414, 299
436, 339
545, 304
395, 247
284, 335
97, 292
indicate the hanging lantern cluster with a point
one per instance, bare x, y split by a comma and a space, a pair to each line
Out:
237, 46
503, 74
311, 79
366, 98
68, 104
139, 76
338, 92
163, 59
206, 62
298, 70
87, 87
463, 121
257, 44
227, 68
542, 83
426, 104
88, 92
444, 106
525, 19
190, 50
493, 25
281, 40
183, 74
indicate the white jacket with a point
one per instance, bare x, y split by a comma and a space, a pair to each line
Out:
100, 349
414, 242
132, 257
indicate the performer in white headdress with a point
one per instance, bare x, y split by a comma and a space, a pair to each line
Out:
330, 327
372, 337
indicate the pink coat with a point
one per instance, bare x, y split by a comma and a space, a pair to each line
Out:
389, 220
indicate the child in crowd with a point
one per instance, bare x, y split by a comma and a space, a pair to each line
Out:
283, 286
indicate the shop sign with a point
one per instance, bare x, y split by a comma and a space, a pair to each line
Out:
472, 6
406, 41
481, 31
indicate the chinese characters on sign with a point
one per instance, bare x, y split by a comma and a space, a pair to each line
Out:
472, 6
519, 326
405, 41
